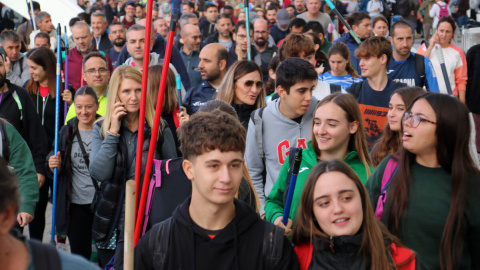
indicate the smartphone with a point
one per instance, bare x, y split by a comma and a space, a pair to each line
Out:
3, 53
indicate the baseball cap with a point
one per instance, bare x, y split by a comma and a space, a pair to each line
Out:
283, 17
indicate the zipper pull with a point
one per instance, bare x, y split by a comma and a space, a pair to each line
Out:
331, 244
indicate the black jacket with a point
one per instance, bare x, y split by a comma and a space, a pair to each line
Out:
26, 122
64, 184
206, 28
212, 38
237, 246
244, 112
105, 43
473, 63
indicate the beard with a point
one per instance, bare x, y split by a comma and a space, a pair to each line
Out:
261, 42
120, 43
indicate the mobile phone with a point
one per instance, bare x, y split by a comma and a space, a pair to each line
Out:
3, 53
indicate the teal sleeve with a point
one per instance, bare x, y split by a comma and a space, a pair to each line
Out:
374, 183
22, 162
274, 203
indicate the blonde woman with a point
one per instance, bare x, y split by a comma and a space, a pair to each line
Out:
113, 156
243, 88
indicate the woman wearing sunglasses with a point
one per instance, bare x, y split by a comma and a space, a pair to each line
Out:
242, 88
432, 199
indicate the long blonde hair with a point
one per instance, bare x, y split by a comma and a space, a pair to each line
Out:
121, 73
226, 91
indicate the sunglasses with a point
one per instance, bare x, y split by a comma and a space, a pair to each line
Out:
250, 83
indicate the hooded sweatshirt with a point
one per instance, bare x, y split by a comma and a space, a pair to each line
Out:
275, 205
237, 246
279, 134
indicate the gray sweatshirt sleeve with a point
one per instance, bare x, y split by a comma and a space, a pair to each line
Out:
102, 157
255, 164
16, 76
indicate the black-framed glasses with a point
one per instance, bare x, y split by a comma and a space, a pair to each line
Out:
93, 71
250, 83
415, 119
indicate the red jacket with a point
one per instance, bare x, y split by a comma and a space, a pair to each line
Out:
75, 67
400, 255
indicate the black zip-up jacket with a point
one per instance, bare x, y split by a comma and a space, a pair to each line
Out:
30, 126
473, 63
64, 183
237, 246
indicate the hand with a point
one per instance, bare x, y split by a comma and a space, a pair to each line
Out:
320, 70
24, 218
433, 40
55, 162
183, 116
119, 112
7, 64
67, 96
279, 223
239, 52
41, 180
421, 19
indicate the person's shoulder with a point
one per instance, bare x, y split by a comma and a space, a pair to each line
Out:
75, 262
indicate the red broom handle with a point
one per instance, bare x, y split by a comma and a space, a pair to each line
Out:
143, 101
156, 123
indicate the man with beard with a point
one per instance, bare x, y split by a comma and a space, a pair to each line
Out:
299, 7
117, 37
408, 67
191, 37
260, 38
83, 46
187, 18
99, 28
161, 27
223, 35
213, 66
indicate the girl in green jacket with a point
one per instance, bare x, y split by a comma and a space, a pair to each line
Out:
337, 133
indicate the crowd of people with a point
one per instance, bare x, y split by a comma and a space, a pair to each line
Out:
311, 147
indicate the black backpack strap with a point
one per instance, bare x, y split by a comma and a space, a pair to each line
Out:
334, 88
273, 237
86, 157
45, 257
158, 242
420, 67
355, 89
5, 147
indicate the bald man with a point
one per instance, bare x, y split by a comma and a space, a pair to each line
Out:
191, 37
213, 66
261, 34
83, 45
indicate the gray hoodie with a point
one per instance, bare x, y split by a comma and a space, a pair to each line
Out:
19, 71
279, 134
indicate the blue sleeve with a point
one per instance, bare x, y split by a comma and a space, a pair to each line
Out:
122, 57
431, 82
177, 61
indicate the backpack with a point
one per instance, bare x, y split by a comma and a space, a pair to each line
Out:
271, 250
169, 187
443, 11
388, 175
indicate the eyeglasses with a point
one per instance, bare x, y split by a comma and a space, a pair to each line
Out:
241, 37
260, 32
415, 120
249, 84
93, 71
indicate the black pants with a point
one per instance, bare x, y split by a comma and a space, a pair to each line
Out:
37, 226
80, 230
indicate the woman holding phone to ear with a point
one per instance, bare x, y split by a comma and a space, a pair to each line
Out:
242, 88
113, 156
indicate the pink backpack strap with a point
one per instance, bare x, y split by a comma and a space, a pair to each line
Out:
155, 182
388, 174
